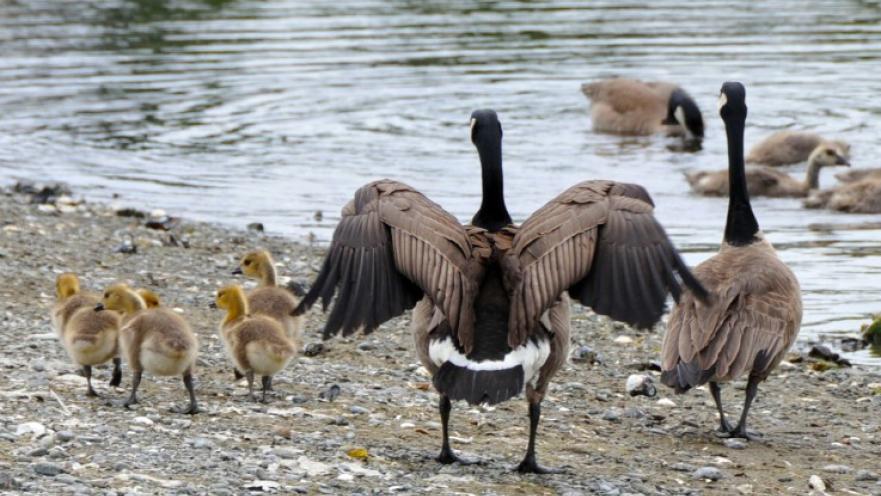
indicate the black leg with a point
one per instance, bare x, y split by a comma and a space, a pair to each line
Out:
87, 372
250, 376
752, 387
529, 465
446, 455
116, 378
238, 375
267, 386
188, 383
724, 426
136, 381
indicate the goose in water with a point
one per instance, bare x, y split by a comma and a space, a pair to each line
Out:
792, 147
630, 106
862, 196
768, 181
858, 174
492, 299
755, 310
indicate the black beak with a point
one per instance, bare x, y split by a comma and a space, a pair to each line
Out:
99, 307
212, 305
839, 160
670, 121
237, 271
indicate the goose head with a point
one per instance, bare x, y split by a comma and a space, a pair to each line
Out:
486, 134
683, 111
66, 285
485, 128
122, 299
732, 102
828, 155
254, 264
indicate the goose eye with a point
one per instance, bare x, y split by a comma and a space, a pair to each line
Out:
247, 263
830, 152
106, 295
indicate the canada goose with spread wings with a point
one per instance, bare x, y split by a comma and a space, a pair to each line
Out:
492, 318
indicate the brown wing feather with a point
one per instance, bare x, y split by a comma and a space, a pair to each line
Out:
392, 245
600, 241
750, 324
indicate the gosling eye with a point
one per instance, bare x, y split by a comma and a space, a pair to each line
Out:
247, 263
106, 295
830, 152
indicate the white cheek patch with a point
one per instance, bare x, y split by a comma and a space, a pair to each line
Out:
679, 114
473, 123
723, 99
531, 356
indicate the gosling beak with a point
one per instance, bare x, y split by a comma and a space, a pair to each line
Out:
839, 160
212, 305
99, 307
237, 271
669, 121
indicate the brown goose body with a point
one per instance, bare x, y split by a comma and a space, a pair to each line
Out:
857, 175
791, 147
862, 196
492, 315
748, 328
634, 107
755, 311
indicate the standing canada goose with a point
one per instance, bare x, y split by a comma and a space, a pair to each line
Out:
153, 339
255, 343
862, 196
630, 106
767, 181
89, 338
792, 147
755, 310
494, 317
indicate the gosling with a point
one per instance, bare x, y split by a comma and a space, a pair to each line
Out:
268, 298
792, 147
89, 338
254, 343
156, 340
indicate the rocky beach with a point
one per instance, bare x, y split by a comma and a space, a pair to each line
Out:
358, 415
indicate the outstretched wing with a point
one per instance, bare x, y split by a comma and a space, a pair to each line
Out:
600, 241
391, 246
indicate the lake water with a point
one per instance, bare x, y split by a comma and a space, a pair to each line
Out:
272, 110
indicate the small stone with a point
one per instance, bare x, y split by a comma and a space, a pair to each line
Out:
837, 469
623, 340
708, 473
142, 421
38, 366
682, 467
611, 415
816, 483
36, 429
745, 488
65, 436
358, 410
366, 346
865, 475
331, 393
256, 226
314, 349
584, 353
202, 443
735, 443
48, 469
640, 385
38, 452
287, 453
666, 402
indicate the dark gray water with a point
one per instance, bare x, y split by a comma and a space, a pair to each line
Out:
242, 111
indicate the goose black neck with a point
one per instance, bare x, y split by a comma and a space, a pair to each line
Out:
493, 214
741, 227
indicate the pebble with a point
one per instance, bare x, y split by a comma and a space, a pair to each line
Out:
611, 415
682, 467
47, 469
313, 349
34, 428
640, 385
38, 365
735, 443
65, 436
358, 410
623, 340
666, 402
816, 482
865, 475
584, 353
201, 443
837, 469
711, 473
142, 421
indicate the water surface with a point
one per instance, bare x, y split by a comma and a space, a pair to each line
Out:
239, 111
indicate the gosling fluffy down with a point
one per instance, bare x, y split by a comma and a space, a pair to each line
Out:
268, 298
155, 340
89, 338
256, 344
792, 147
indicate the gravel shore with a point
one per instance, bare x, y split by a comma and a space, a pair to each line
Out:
820, 428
